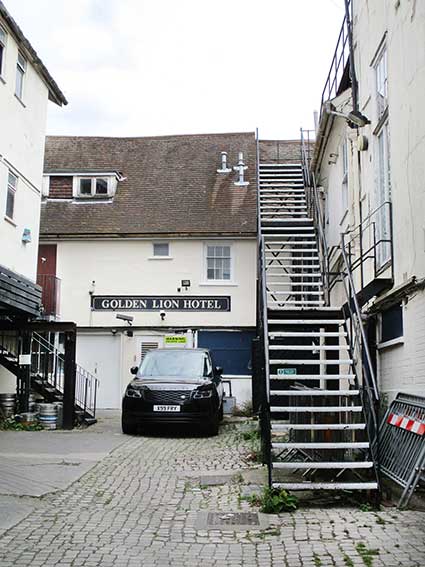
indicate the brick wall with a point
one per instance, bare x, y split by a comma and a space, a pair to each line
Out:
60, 187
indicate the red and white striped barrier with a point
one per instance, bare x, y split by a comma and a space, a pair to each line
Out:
407, 423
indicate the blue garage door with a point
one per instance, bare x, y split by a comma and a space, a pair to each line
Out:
231, 350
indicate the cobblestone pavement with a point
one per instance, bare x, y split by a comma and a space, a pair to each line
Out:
145, 504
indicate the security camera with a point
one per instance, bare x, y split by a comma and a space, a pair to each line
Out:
114, 332
355, 117
162, 314
127, 318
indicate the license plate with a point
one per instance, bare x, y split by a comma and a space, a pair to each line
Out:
166, 408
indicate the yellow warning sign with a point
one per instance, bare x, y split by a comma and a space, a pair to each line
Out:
175, 340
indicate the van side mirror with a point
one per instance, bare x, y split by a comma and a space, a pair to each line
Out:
218, 370
134, 369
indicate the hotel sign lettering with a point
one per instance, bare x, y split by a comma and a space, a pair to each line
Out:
155, 302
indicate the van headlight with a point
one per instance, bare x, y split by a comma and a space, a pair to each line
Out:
202, 394
133, 393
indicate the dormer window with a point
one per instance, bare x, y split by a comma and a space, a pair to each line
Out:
93, 187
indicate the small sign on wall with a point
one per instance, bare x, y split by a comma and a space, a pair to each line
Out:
286, 371
175, 340
156, 302
24, 360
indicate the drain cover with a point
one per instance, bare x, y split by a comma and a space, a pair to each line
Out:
220, 519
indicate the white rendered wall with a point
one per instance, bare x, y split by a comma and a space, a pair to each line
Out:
125, 267
22, 131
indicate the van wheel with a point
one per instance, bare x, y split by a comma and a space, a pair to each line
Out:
213, 426
221, 412
127, 428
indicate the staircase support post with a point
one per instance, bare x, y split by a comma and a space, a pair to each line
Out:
24, 374
69, 380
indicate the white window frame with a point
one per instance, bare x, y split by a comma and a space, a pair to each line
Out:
21, 68
344, 185
381, 82
160, 256
93, 194
3, 44
11, 188
205, 260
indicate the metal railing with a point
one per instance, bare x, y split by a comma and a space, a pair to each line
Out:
315, 211
339, 61
362, 361
262, 329
48, 364
50, 298
371, 241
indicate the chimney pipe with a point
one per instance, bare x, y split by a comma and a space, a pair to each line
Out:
240, 168
224, 168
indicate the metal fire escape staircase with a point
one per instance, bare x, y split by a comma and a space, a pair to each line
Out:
317, 412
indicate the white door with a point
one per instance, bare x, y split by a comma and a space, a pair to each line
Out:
100, 355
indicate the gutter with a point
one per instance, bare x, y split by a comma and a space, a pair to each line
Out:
55, 94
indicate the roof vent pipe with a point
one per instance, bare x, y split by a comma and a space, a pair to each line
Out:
224, 168
240, 168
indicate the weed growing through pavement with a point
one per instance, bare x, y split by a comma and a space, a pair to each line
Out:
274, 501
348, 561
317, 560
366, 554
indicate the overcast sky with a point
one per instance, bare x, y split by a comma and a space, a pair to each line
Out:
154, 67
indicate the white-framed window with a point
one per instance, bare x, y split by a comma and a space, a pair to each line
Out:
3, 39
21, 67
382, 196
390, 326
344, 175
161, 249
218, 259
381, 82
93, 187
12, 184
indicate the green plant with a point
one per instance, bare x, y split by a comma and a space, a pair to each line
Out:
317, 560
366, 554
10, 424
365, 507
274, 501
348, 561
380, 520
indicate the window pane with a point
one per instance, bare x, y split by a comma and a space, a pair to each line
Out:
210, 274
210, 251
12, 180
1, 58
2, 36
101, 187
392, 323
10, 203
226, 251
19, 82
161, 249
85, 186
218, 263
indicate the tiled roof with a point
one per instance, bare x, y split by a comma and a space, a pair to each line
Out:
55, 94
171, 188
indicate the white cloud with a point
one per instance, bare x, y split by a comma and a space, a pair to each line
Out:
148, 67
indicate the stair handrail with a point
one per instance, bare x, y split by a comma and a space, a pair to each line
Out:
82, 374
315, 210
356, 317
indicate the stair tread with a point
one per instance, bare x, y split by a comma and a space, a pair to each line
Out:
318, 426
312, 392
323, 465
326, 485
316, 409
322, 445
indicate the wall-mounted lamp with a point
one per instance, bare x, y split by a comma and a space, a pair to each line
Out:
26, 236
128, 318
354, 118
162, 314
185, 284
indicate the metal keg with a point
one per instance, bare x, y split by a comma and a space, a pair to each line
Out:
28, 418
8, 404
47, 415
59, 409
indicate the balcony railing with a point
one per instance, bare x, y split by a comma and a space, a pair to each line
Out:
339, 69
50, 296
